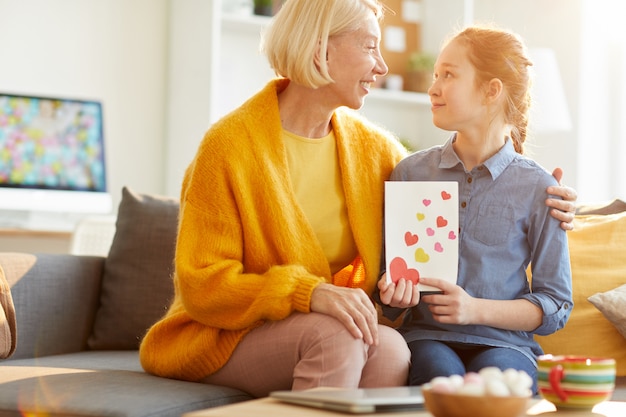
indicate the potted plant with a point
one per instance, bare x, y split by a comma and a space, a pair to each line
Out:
263, 7
420, 71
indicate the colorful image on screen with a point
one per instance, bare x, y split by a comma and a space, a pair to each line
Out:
51, 143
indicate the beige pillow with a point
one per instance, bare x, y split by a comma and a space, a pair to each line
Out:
613, 305
137, 285
8, 331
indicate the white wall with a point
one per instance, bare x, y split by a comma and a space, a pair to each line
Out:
191, 73
602, 108
553, 24
110, 50
120, 51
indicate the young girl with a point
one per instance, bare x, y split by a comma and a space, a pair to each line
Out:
481, 91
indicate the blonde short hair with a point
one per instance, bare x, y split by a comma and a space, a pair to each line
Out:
300, 31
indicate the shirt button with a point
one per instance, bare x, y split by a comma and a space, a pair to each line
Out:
464, 204
469, 180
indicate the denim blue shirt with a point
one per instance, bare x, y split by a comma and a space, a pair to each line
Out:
504, 225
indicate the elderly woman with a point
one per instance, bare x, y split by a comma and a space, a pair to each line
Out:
279, 238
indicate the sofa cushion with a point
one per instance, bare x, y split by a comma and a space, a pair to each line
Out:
136, 286
55, 298
102, 383
597, 246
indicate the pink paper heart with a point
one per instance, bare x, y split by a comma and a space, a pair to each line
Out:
438, 247
430, 231
426, 202
451, 235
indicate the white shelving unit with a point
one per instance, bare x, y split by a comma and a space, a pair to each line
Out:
407, 114
215, 65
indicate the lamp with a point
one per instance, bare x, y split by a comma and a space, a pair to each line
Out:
549, 111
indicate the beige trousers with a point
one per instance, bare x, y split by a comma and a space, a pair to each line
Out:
312, 350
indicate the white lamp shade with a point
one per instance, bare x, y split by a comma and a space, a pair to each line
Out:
549, 111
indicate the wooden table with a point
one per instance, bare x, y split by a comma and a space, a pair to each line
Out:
34, 241
269, 407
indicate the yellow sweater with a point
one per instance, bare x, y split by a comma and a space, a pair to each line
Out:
245, 251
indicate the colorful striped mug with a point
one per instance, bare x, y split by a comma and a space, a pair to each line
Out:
578, 382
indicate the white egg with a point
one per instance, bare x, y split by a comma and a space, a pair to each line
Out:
496, 387
472, 388
442, 384
491, 372
456, 381
511, 376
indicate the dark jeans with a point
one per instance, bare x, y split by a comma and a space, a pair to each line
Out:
431, 358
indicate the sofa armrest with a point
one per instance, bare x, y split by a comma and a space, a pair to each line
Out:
55, 298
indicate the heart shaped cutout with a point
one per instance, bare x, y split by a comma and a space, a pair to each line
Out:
421, 256
398, 269
445, 195
441, 222
410, 238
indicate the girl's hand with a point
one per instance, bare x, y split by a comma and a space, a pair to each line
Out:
403, 294
454, 306
351, 306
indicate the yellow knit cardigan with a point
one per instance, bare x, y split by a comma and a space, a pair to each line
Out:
245, 252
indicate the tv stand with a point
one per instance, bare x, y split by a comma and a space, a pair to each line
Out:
34, 241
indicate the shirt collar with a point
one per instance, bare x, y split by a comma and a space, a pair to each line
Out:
496, 164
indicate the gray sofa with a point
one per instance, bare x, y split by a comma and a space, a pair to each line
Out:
80, 320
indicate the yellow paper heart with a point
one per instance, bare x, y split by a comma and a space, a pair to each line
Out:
420, 216
421, 256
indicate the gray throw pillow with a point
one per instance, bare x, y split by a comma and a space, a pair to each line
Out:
137, 285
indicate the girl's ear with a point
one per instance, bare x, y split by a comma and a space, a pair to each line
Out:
494, 90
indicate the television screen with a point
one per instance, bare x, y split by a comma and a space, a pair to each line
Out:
51, 143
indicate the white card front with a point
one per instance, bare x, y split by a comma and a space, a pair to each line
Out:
421, 230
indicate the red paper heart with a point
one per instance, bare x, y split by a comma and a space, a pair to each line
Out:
410, 238
445, 195
441, 222
398, 269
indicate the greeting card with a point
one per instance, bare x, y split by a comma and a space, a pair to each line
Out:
421, 230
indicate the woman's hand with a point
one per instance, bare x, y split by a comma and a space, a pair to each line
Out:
563, 210
351, 306
454, 306
403, 294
